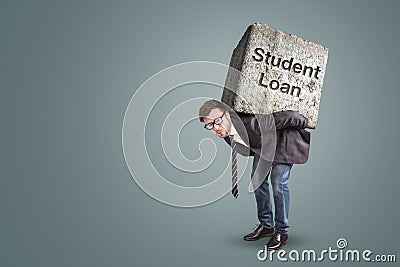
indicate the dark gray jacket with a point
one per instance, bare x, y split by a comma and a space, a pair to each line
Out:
279, 137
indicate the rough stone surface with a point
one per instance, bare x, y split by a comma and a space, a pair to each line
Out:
256, 86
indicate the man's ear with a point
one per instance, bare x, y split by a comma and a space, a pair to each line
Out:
228, 115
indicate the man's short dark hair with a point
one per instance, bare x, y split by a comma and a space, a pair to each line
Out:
209, 105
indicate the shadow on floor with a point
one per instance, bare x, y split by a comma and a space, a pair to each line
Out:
296, 241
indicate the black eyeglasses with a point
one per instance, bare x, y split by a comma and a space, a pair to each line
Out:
217, 121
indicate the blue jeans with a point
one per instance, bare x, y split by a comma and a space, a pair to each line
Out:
279, 176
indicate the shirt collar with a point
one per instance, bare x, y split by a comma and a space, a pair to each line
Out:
233, 130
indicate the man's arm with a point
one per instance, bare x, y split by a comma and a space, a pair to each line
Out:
289, 118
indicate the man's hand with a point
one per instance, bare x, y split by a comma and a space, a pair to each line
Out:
290, 118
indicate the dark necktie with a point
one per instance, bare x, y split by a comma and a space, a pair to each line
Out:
235, 191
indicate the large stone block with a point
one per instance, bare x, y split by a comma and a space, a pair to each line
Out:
274, 71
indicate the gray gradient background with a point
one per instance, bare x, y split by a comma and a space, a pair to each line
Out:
68, 71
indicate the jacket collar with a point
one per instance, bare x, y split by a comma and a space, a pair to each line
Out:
239, 126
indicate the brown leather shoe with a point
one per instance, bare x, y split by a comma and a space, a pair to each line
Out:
259, 232
277, 241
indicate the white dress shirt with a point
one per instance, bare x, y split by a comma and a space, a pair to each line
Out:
236, 136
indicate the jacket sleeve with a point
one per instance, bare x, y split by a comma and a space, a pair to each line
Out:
289, 118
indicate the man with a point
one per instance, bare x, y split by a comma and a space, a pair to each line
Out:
253, 137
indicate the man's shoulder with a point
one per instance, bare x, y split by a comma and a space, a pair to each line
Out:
245, 115
245, 118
